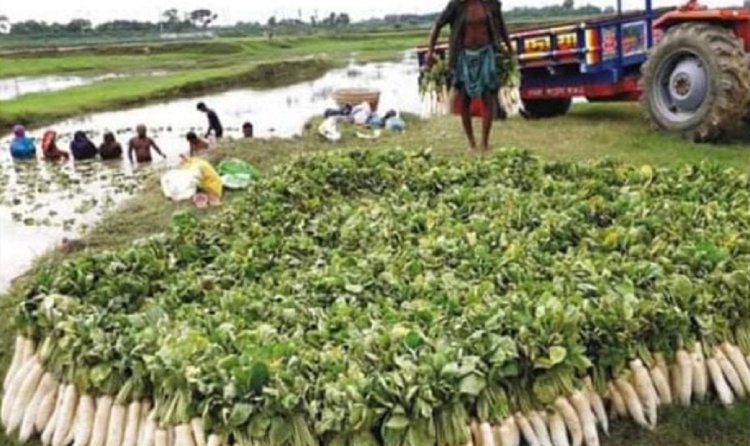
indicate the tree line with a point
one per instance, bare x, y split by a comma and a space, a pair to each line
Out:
173, 20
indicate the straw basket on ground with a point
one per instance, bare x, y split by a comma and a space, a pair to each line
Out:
356, 96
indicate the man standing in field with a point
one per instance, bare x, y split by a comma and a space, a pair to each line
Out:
478, 31
214, 125
141, 144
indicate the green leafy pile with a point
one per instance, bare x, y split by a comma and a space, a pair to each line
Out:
385, 298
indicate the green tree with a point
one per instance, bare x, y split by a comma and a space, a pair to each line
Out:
569, 4
4, 24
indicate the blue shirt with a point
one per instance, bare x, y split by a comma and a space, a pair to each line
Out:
23, 148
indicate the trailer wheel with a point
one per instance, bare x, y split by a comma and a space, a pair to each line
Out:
545, 108
696, 81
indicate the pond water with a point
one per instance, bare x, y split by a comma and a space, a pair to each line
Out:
41, 203
11, 88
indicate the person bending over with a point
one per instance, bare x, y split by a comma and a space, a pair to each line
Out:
110, 148
214, 124
81, 147
196, 144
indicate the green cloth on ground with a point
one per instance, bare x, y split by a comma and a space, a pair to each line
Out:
476, 71
237, 174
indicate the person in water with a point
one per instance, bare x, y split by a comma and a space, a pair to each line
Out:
49, 147
478, 31
110, 148
214, 124
141, 144
247, 130
21, 146
82, 148
196, 144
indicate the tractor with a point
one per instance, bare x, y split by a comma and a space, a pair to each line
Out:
689, 66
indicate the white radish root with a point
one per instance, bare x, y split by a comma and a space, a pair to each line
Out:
734, 355
485, 432
199, 431
149, 431
618, 402
661, 383
526, 430
719, 382
661, 363
597, 405
558, 431
645, 390
183, 435
65, 416
504, 436
9, 399
514, 433
588, 421
476, 439
116, 427
84, 421
133, 419
49, 428
161, 437
142, 424
101, 421
25, 395
15, 362
633, 403
700, 381
572, 422
731, 375
686, 377
46, 409
47, 385
216, 440
540, 428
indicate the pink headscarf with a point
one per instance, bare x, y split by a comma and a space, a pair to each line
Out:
19, 131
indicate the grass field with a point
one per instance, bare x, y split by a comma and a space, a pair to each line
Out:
589, 132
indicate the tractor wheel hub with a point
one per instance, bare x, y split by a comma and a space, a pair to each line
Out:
688, 85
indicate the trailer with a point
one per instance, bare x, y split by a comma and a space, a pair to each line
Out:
690, 66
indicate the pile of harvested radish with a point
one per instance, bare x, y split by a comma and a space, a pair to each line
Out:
395, 299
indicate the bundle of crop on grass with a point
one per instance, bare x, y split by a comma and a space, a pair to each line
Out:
367, 299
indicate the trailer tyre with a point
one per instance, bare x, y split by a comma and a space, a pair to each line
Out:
545, 108
697, 81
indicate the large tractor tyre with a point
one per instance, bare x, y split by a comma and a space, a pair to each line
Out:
545, 108
696, 81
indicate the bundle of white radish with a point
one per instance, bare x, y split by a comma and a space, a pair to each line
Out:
572, 422
47, 386
586, 417
632, 402
199, 432
25, 395
558, 431
734, 355
645, 390
597, 405
685, 373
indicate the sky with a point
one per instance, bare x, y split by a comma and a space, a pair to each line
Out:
232, 11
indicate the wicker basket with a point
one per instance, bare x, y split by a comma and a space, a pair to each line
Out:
356, 96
